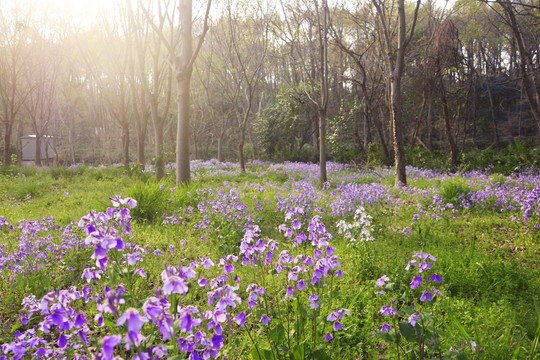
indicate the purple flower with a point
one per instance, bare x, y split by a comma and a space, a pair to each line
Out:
265, 319
328, 337
435, 277
240, 319
387, 311
412, 319
337, 326
109, 343
187, 322
425, 295
385, 328
416, 281
290, 291
313, 301
217, 341
329, 251
134, 321
423, 266
174, 285
62, 341
140, 272
229, 268
301, 285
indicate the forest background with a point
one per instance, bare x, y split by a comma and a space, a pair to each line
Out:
104, 88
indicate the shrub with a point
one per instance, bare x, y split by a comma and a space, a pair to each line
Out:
29, 190
151, 202
454, 192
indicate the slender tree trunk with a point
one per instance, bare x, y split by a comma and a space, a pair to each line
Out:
528, 75
183, 81
430, 124
220, 148
447, 127
125, 142
322, 145
241, 149
71, 144
158, 148
397, 129
496, 139
7, 143
382, 137
38, 150
141, 139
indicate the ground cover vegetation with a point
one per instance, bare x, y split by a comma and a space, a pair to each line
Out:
269, 264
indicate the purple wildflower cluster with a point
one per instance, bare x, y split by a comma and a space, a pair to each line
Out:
424, 284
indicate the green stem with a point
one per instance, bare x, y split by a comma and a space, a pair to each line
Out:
254, 343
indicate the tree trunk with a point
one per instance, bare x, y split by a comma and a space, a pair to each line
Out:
380, 131
241, 149
141, 158
430, 124
322, 145
397, 132
447, 127
528, 75
493, 118
38, 150
158, 147
125, 143
183, 81
7, 143
220, 148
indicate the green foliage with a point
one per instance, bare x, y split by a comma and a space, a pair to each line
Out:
284, 128
419, 157
60, 172
514, 158
454, 192
28, 190
375, 155
151, 201
342, 141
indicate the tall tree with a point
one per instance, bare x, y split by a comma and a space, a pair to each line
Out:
14, 51
395, 63
528, 50
181, 59
247, 55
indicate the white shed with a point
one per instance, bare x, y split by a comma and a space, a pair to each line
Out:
28, 145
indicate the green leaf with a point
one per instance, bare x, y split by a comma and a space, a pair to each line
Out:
108, 322
261, 354
459, 326
408, 331
389, 336
409, 310
15, 327
298, 352
277, 334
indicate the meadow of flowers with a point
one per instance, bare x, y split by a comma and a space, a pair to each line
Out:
269, 264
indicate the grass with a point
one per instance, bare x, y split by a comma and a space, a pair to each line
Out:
488, 263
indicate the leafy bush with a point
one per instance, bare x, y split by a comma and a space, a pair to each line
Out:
29, 190
151, 201
61, 172
454, 192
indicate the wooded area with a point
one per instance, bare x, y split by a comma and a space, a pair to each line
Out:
272, 80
